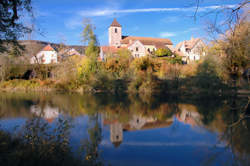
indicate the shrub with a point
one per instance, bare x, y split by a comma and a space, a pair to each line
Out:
207, 76
87, 67
143, 64
118, 65
67, 70
163, 52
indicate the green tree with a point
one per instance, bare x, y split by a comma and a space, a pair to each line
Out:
89, 39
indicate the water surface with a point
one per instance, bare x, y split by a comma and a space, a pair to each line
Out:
123, 130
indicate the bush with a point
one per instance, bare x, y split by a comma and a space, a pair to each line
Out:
163, 52
144, 64
118, 65
87, 67
207, 76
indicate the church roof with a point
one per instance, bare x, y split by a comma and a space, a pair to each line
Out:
115, 24
146, 40
48, 48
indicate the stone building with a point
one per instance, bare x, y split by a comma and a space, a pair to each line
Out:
139, 46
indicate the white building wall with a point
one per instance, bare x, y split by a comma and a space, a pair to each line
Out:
45, 57
194, 54
137, 49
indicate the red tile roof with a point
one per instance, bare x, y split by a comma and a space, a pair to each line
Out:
146, 40
115, 24
48, 48
111, 49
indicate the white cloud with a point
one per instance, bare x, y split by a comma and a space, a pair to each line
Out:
167, 34
73, 23
191, 30
172, 34
108, 12
170, 19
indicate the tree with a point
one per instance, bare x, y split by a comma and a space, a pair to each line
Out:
89, 39
232, 15
236, 49
11, 25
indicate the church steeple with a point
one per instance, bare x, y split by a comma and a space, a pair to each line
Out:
115, 34
115, 23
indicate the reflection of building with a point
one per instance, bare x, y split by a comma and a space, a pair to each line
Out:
189, 115
46, 112
137, 122
116, 133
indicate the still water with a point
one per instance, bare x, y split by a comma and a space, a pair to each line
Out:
72, 129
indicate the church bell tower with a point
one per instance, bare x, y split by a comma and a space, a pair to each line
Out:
115, 34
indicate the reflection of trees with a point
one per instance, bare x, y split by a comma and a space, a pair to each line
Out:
237, 133
227, 116
38, 143
233, 123
90, 146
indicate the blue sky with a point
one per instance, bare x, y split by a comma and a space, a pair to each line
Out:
61, 20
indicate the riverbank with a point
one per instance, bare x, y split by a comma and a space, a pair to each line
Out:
35, 85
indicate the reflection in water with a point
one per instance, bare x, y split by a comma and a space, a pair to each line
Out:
47, 112
148, 132
189, 115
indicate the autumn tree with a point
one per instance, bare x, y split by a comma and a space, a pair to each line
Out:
89, 39
235, 46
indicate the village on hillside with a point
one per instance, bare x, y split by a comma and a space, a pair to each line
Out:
189, 50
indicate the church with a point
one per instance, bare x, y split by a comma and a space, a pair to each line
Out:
139, 46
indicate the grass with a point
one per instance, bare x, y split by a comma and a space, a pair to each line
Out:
27, 85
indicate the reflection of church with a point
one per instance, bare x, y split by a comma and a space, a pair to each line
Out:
135, 123
116, 133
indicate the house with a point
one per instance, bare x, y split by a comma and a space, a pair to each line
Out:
106, 51
46, 56
66, 53
190, 50
139, 46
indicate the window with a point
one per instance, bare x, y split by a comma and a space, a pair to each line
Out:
137, 49
115, 30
